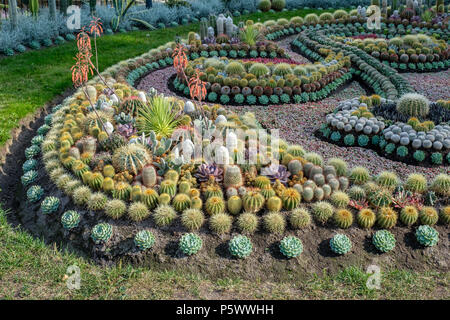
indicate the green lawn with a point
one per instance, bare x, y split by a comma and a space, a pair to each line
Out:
31, 270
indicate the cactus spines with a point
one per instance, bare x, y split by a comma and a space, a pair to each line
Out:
149, 177
445, 215
291, 198
383, 240
340, 244
164, 215
428, 216
308, 194
196, 203
192, 219
169, 187
413, 105
247, 222
386, 218
108, 171
339, 165
150, 198
96, 181
388, 180
441, 184
359, 175
253, 201
232, 177
213, 191
101, 233
274, 204
184, 187
115, 208
122, 191
220, 223
181, 202
234, 205
427, 236
144, 240
172, 175
291, 247
366, 218
132, 158
267, 192
340, 199
138, 211
214, 205
295, 167
357, 193
343, 218
322, 211
409, 215
240, 246
70, 219
164, 198
261, 182
190, 244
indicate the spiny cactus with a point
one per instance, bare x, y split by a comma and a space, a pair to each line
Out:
386, 218
274, 222
220, 223
291, 198
253, 201
122, 191
234, 205
81, 195
387, 179
181, 202
445, 215
101, 233
291, 246
164, 198
35, 193
339, 165
97, 201
240, 246
190, 244
261, 182
322, 211
144, 240
441, 184
215, 205
409, 215
366, 218
138, 211
357, 193
416, 183
428, 216
343, 218
49, 205
164, 215
132, 158
70, 219
267, 192
149, 176
339, 199
115, 208
359, 175
192, 219
248, 222
427, 236
150, 198
413, 105
340, 244
383, 240
232, 177
380, 197
299, 218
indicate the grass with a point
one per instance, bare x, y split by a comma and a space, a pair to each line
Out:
29, 269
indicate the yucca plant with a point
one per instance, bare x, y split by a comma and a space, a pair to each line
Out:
250, 35
159, 116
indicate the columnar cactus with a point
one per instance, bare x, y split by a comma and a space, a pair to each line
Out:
383, 240
427, 236
291, 247
240, 246
101, 233
70, 219
149, 176
232, 177
203, 28
190, 244
144, 240
220, 24
340, 244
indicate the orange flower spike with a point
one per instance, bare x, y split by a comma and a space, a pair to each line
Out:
96, 26
180, 60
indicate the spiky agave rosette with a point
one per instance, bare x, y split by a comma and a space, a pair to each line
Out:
190, 244
340, 244
70, 219
427, 236
240, 246
144, 240
101, 233
291, 247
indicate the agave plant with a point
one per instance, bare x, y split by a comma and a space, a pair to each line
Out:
158, 116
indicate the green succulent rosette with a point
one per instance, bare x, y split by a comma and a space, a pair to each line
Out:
70, 219
384, 241
144, 240
340, 244
101, 233
190, 244
291, 247
427, 236
240, 246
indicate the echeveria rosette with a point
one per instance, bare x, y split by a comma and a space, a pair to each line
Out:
37, 140
340, 244
276, 172
35, 193
206, 170
101, 233
427, 236
384, 241
70, 219
28, 165
28, 177
240, 246
127, 130
32, 151
291, 247
49, 205
190, 244
144, 240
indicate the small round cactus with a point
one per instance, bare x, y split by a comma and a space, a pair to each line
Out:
387, 217
322, 211
427, 236
343, 218
274, 222
300, 218
215, 205
144, 240
388, 180
247, 222
359, 175
445, 215
340, 244
190, 244
253, 201
192, 219
413, 105
340, 199
115, 208
70, 219
441, 184
366, 218
101, 233
416, 183
240, 246
409, 215
428, 216
49, 205
181, 202
383, 240
291, 247
35, 193
164, 215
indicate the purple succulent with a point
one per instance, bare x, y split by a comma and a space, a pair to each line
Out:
209, 40
126, 130
206, 170
416, 19
276, 172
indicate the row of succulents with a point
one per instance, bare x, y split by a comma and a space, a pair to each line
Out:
240, 82
368, 122
407, 53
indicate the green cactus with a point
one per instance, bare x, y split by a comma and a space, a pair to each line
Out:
132, 158
101, 233
416, 183
122, 191
234, 205
359, 175
339, 199
291, 198
164, 215
340, 244
240, 246
232, 177
291, 247
357, 193
190, 244
441, 184
49, 205
386, 218
343, 218
192, 219
388, 180
181, 202
366, 218
70, 219
149, 176
380, 197
383, 240
413, 105
322, 211
409, 215
427, 236
428, 216
169, 187
215, 205
144, 240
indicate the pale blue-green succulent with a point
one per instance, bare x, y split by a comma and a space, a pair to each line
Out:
190, 244
340, 244
240, 246
70, 219
291, 246
144, 240
427, 236
383, 240
101, 233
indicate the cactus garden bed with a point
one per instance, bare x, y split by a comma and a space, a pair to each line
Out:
113, 171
